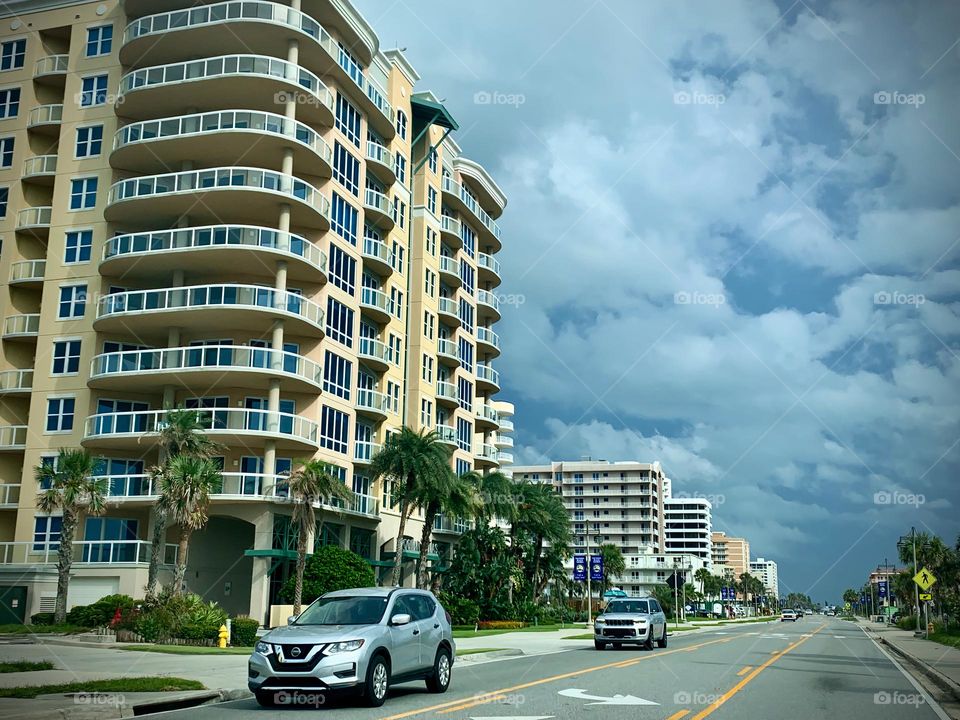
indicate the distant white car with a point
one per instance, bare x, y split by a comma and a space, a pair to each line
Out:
788, 615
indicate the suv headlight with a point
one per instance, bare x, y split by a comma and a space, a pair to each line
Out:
600, 621
263, 648
640, 621
342, 647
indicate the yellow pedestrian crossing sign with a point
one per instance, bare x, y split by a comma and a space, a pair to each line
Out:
924, 579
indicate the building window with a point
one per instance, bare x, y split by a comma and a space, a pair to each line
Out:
73, 302
89, 141
432, 200
396, 260
400, 212
465, 393
12, 54
342, 270
432, 160
426, 413
83, 193
429, 323
427, 369
396, 300
467, 276
78, 246
402, 124
60, 412
336, 375
464, 434
93, 91
99, 40
463, 467
9, 102
334, 427
339, 322
348, 120
400, 169
4, 200
346, 168
469, 238
396, 348
393, 396
66, 357
431, 242
466, 355
430, 283
6, 152
466, 315
343, 219
46, 532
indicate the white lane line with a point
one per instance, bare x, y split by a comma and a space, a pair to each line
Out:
919, 688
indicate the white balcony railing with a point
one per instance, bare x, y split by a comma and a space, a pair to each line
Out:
485, 372
447, 433
51, 65
448, 307
506, 425
485, 412
489, 262
364, 450
378, 299
449, 265
487, 452
488, 336
378, 250
45, 115
450, 225
85, 552
40, 165
28, 271
10, 495
373, 400
452, 187
485, 297
13, 381
34, 217
21, 325
376, 200
374, 349
379, 154
447, 390
447, 348
13, 437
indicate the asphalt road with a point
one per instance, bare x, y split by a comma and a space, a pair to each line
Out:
815, 668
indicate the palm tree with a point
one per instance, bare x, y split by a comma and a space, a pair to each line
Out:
547, 520
181, 434
68, 486
185, 484
614, 565
702, 575
448, 493
408, 459
499, 497
313, 483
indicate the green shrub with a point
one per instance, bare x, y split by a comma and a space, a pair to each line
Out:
330, 568
907, 623
243, 632
197, 632
101, 612
42, 618
169, 616
462, 611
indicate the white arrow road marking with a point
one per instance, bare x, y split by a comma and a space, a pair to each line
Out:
615, 700
839, 637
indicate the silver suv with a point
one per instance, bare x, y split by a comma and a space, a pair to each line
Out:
635, 621
365, 639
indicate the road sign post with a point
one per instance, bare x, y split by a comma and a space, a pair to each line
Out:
924, 580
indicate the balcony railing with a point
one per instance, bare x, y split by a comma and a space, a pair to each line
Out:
373, 400
51, 65
450, 266
223, 121
376, 200
447, 524
45, 115
485, 412
13, 437
485, 372
193, 297
452, 187
215, 236
378, 299
506, 425
206, 357
447, 433
34, 217
374, 349
40, 165
16, 381
28, 271
364, 450
448, 307
489, 262
488, 336
10, 495
485, 297
378, 251
487, 452
227, 66
450, 225
379, 154
447, 348
109, 552
505, 458
219, 420
447, 390
21, 325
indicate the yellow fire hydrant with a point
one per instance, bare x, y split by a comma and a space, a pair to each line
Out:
222, 642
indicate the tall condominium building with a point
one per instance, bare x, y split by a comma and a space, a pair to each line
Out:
242, 208
620, 502
730, 553
689, 526
766, 571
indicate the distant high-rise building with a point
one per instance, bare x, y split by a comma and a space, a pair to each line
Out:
689, 527
766, 571
730, 552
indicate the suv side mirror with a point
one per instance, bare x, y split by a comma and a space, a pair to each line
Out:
291, 620
400, 619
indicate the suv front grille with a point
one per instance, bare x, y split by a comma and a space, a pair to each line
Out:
293, 657
620, 623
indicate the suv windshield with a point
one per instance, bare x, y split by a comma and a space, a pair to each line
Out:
344, 611
628, 606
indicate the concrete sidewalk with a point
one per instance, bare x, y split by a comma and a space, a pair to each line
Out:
941, 663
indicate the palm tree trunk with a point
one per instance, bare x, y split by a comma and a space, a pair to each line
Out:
301, 564
158, 541
64, 561
398, 558
537, 549
428, 518
181, 570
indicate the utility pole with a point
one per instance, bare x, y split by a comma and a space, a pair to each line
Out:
589, 591
916, 588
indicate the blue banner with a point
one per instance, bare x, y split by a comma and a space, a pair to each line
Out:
596, 567
579, 567
882, 588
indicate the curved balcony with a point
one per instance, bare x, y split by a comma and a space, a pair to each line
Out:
374, 353
447, 393
462, 201
210, 249
376, 304
364, 450
377, 257
488, 269
373, 404
46, 119
447, 352
447, 434
504, 458
212, 138
51, 70
9, 496
487, 454
486, 417
450, 270
13, 438
487, 378
255, 82
201, 307
448, 310
250, 429
21, 327
503, 441
41, 169
489, 340
239, 193
377, 209
16, 382
203, 368
380, 163
260, 27
34, 221
450, 231
506, 425
28, 272
488, 305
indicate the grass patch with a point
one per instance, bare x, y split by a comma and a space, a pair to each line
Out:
471, 633
122, 685
476, 651
25, 666
946, 639
188, 649
584, 636
18, 629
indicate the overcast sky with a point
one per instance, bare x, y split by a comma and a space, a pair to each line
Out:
734, 227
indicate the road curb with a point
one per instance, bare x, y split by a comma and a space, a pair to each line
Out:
937, 677
480, 657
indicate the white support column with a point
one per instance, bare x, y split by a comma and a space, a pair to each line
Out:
260, 581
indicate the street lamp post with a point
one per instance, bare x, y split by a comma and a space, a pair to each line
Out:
916, 588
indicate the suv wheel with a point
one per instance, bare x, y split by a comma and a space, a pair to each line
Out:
378, 681
439, 681
599, 645
265, 698
662, 642
648, 644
